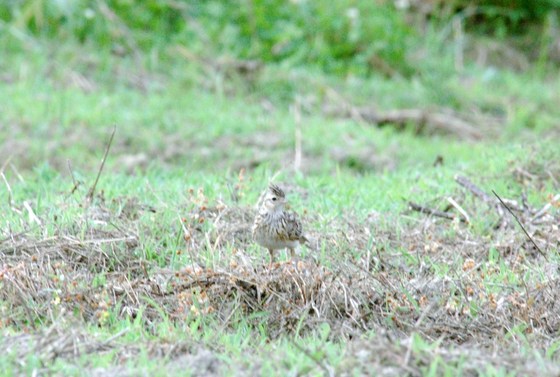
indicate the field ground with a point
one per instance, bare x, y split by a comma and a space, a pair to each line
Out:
152, 271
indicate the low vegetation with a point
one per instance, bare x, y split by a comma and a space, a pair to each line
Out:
136, 140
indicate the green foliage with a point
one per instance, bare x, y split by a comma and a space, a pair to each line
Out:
339, 36
115, 21
519, 10
503, 17
344, 36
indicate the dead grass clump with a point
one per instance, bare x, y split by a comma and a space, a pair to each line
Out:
382, 279
41, 278
81, 270
427, 276
286, 291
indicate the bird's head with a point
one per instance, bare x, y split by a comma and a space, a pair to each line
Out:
275, 199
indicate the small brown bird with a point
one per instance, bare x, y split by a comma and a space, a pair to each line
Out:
274, 227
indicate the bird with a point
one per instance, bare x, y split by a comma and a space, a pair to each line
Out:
275, 227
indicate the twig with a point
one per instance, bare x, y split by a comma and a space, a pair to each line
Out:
521, 225
443, 121
525, 203
95, 241
91, 192
544, 209
76, 183
433, 212
32, 216
466, 183
10, 196
460, 209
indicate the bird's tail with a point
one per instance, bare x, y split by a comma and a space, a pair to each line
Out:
310, 242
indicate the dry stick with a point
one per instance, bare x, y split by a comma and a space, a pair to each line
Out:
72, 241
32, 216
459, 208
544, 209
10, 196
464, 181
436, 120
76, 183
521, 225
417, 207
89, 196
441, 120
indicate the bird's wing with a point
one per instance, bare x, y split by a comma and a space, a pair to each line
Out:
294, 229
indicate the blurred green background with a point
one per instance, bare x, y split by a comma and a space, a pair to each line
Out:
211, 100
238, 67
341, 36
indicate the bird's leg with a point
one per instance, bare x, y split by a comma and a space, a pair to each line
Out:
293, 258
271, 257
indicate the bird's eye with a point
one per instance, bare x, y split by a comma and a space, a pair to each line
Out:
273, 198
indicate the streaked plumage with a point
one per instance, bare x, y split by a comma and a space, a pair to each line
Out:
274, 227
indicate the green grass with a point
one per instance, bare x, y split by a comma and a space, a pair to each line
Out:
196, 130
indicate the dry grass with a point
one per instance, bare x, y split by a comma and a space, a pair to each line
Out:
425, 276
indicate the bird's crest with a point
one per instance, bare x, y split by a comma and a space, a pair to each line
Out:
276, 190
